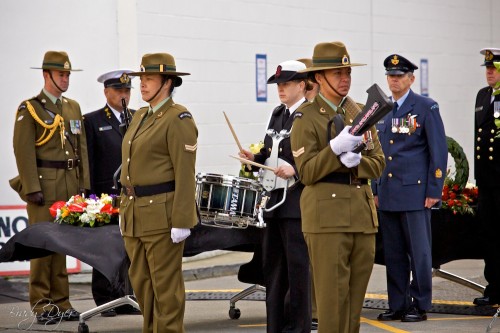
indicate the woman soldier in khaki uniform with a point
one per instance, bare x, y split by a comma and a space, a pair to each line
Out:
51, 157
339, 220
158, 196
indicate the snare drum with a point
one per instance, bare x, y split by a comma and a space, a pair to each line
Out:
227, 201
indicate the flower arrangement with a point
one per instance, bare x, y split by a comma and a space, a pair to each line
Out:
458, 195
85, 212
254, 149
459, 200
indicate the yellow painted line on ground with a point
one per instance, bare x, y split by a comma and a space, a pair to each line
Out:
382, 326
214, 291
460, 318
434, 301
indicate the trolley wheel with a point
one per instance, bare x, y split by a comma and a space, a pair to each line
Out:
83, 328
234, 313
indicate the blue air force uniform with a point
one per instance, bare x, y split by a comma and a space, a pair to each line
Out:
415, 149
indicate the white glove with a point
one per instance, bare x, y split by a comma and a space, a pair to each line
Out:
345, 142
350, 159
179, 234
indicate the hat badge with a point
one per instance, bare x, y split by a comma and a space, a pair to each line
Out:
124, 78
488, 56
66, 65
278, 71
345, 60
395, 60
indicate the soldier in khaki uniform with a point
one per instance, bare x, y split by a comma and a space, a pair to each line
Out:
51, 156
339, 219
158, 196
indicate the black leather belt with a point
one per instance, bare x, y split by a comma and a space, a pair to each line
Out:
343, 178
69, 164
147, 190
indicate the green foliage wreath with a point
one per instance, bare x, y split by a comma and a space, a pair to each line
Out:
461, 163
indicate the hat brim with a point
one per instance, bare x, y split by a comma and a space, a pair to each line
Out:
396, 72
322, 68
158, 72
286, 76
58, 69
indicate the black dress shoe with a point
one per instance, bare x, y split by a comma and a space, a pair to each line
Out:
414, 315
128, 310
486, 300
71, 315
390, 315
109, 313
49, 318
314, 324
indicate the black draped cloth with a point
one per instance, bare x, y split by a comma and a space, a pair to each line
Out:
103, 247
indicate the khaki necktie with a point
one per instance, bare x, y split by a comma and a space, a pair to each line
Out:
59, 104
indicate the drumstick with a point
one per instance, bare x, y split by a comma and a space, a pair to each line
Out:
244, 160
233, 132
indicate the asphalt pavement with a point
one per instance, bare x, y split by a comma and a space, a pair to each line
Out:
211, 280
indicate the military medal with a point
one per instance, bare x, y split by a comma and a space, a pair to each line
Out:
368, 140
394, 125
496, 109
75, 126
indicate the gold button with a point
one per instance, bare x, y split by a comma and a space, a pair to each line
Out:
390, 175
150, 201
357, 186
478, 148
129, 142
391, 141
490, 149
480, 130
128, 178
492, 131
389, 158
478, 157
419, 181
478, 139
350, 120
492, 140
128, 159
491, 158
40, 176
281, 149
131, 197
67, 152
334, 195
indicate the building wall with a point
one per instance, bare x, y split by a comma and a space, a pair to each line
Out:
217, 42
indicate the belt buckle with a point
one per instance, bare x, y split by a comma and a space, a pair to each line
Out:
129, 190
354, 180
71, 164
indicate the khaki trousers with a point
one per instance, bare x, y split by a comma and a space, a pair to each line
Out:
156, 277
342, 264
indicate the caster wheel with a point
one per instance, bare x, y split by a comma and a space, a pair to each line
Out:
83, 328
234, 313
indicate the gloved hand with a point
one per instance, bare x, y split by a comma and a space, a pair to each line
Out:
345, 142
350, 159
179, 234
36, 198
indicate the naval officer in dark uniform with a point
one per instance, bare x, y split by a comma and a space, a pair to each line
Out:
104, 140
414, 144
285, 257
487, 173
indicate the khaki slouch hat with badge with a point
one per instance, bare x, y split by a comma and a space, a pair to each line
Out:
160, 63
330, 55
57, 60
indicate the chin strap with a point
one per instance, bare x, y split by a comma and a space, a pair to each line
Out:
333, 87
159, 89
54, 82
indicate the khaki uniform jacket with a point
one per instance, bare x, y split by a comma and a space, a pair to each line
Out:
332, 207
56, 184
160, 150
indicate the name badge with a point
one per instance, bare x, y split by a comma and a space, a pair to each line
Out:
105, 128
